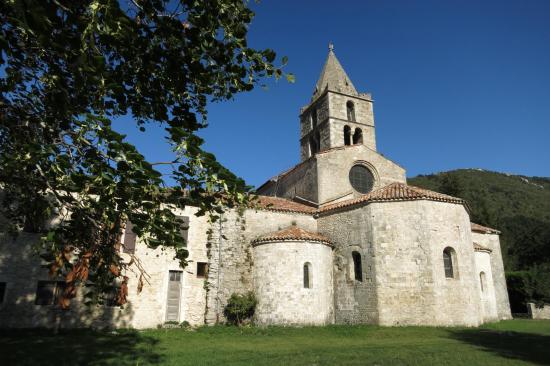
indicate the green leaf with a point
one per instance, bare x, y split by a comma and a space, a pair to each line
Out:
290, 78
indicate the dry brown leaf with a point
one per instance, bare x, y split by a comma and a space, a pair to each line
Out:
114, 270
140, 284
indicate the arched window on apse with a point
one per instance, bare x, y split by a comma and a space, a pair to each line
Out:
357, 266
307, 275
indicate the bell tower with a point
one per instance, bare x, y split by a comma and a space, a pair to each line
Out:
337, 114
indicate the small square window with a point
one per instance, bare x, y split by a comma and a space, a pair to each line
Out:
202, 269
49, 292
2, 291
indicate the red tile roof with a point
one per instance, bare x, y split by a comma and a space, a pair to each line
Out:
389, 193
395, 192
292, 233
483, 229
282, 205
481, 248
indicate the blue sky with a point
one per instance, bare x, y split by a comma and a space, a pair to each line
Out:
456, 84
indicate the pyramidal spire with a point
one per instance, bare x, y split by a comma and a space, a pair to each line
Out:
333, 76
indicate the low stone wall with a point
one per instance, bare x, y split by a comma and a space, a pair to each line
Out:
538, 313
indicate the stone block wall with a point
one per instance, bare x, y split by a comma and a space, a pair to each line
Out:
231, 257
307, 129
301, 181
337, 133
333, 172
487, 289
492, 242
364, 119
355, 302
20, 268
279, 283
408, 240
536, 312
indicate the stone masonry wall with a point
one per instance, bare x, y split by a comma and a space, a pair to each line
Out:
302, 182
492, 242
409, 239
20, 268
364, 119
333, 172
321, 107
488, 300
355, 302
536, 312
231, 258
279, 286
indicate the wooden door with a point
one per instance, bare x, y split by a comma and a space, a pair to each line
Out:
174, 296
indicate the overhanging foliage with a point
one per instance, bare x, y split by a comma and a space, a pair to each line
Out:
68, 69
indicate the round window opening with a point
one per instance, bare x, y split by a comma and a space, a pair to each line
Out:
361, 179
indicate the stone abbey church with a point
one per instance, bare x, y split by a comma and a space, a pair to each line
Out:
338, 238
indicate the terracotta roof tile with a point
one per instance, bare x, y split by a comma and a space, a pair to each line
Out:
283, 205
395, 192
483, 229
481, 248
391, 192
291, 234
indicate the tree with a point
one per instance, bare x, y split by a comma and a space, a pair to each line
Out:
68, 69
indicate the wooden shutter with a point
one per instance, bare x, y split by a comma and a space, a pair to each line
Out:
174, 294
129, 239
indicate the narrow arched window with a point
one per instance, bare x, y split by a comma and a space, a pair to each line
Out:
448, 262
318, 141
482, 281
313, 145
358, 136
357, 266
347, 135
313, 118
307, 275
351, 111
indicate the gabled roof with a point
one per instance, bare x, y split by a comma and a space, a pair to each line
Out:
481, 248
283, 174
333, 77
292, 233
395, 192
483, 229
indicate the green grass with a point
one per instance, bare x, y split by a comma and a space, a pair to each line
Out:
515, 342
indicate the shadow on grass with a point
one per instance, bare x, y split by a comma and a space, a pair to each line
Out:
528, 347
77, 347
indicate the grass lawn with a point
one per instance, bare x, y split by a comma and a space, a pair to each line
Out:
514, 342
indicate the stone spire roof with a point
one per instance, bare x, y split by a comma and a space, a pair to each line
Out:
333, 77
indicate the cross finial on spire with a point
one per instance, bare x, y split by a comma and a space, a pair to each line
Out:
330, 47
